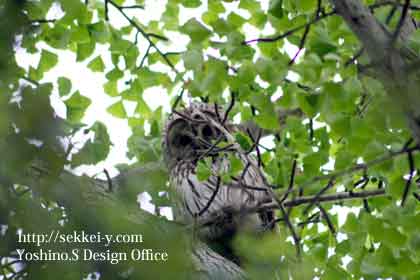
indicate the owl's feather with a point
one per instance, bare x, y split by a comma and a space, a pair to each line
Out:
188, 137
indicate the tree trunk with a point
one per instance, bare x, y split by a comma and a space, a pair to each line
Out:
391, 60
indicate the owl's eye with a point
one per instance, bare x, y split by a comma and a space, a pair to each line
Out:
197, 117
207, 132
183, 140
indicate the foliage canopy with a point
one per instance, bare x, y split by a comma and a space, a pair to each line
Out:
348, 136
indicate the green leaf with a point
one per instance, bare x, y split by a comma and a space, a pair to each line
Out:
193, 59
414, 40
272, 71
131, 57
117, 110
250, 5
195, 30
236, 165
110, 88
244, 141
100, 31
114, 74
212, 80
96, 65
84, 50
247, 73
305, 6
80, 34
76, 107
235, 20
64, 86
235, 49
276, 8
170, 16
203, 171
47, 61
267, 120
94, 150
371, 266
149, 78
191, 3
120, 46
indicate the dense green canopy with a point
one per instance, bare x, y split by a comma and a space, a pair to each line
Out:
334, 84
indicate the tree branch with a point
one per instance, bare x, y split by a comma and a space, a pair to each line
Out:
400, 24
289, 32
73, 191
146, 35
305, 34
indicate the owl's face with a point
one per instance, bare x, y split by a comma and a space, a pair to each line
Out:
191, 133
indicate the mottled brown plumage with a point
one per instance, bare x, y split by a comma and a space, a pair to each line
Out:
190, 136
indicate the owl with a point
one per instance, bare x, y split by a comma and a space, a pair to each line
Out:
192, 135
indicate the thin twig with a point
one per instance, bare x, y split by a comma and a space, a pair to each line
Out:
299, 85
314, 218
336, 197
106, 10
136, 38
359, 167
354, 57
361, 183
216, 110
315, 20
321, 192
109, 180
305, 34
144, 57
391, 14
410, 178
301, 44
296, 238
212, 148
394, 3
366, 205
178, 99
231, 104
400, 24
248, 164
38, 21
311, 129
291, 182
210, 201
29, 80
157, 36
256, 145
133, 7
272, 223
280, 206
325, 215
145, 35
289, 32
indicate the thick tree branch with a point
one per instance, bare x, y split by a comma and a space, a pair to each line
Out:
73, 191
389, 64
